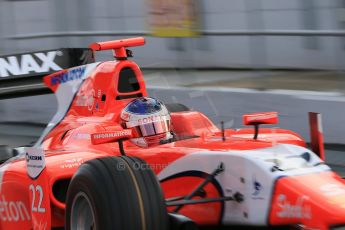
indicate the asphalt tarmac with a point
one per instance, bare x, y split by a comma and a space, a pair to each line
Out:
229, 104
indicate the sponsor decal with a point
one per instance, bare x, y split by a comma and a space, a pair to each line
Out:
333, 189
257, 188
35, 161
299, 209
122, 133
26, 63
146, 120
104, 137
82, 136
151, 119
86, 100
335, 193
13, 211
32, 158
71, 163
125, 116
73, 74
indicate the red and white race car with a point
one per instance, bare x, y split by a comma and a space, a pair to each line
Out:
83, 173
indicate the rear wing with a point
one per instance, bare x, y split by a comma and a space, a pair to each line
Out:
21, 74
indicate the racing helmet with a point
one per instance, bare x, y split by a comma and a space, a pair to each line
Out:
149, 120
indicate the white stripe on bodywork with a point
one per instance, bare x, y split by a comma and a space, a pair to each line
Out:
319, 122
65, 95
2, 172
242, 170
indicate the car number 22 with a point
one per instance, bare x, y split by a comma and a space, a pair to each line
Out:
37, 190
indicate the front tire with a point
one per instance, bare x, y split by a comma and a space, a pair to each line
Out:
115, 193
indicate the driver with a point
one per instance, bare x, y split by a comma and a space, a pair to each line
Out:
149, 120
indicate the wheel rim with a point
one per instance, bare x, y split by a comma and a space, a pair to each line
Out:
82, 215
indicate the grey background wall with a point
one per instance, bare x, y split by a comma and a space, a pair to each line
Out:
19, 19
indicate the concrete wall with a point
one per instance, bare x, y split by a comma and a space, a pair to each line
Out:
43, 16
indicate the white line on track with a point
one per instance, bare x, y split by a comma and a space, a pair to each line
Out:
300, 94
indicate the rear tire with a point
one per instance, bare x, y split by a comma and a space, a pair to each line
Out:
115, 193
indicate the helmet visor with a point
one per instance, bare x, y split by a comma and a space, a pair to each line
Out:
150, 129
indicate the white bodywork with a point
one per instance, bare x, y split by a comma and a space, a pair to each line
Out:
245, 168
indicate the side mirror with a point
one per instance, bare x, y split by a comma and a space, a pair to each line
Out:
110, 136
256, 119
268, 118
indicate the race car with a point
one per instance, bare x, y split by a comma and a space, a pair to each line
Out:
86, 172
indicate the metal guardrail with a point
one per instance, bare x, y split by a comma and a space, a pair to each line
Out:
77, 34
324, 33
30, 87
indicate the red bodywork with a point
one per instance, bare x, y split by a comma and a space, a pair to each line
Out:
96, 108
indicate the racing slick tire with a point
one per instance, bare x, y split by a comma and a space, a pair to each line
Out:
115, 193
176, 107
